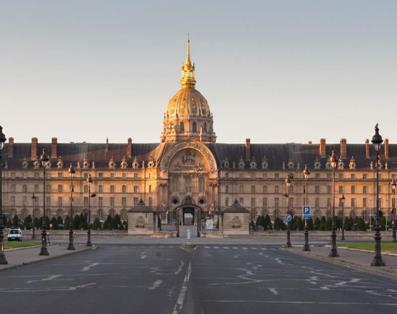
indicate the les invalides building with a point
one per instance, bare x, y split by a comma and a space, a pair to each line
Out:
188, 174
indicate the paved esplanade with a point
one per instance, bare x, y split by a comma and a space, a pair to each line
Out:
192, 279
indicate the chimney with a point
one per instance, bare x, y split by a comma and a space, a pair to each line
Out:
367, 149
129, 148
54, 148
386, 148
248, 149
10, 147
33, 149
343, 148
322, 147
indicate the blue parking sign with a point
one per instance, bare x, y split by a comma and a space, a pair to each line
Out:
307, 212
288, 218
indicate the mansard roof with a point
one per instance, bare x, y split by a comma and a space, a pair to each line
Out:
289, 156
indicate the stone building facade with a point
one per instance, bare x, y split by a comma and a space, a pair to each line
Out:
188, 167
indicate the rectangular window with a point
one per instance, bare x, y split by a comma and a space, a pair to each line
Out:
60, 174
317, 203
340, 189
328, 203
291, 202
85, 202
85, 188
364, 202
265, 189
136, 189
100, 202
111, 202
264, 203
60, 202
253, 189
12, 202
150, 188
276, 189
241, 200
112, 189
13, 188
24, 201
24, 188
135, 201
353, 203
124, 189
227, 202
60, 188
353, 189
227, 189
317, 189
276, 203
123, 202
365, 190
150, 201
100, 188
253, 203
36, 188
241, 188
48, 201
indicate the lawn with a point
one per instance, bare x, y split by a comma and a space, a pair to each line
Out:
16, 244
386, 246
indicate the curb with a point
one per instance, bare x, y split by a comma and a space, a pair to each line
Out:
48, 258
385, 272
22, 248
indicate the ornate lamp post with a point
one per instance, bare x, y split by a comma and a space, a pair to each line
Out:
288, 182
44, 158
34, 199
342, 202
89, 181
306, 174
334, 163
71, 172
3, 259
393, 211
377, 142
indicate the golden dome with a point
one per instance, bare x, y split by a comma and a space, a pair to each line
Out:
188, 116
188, 102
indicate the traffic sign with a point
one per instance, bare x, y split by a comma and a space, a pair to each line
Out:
307, 212
288, 218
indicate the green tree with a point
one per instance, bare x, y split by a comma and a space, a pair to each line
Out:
107, 225
15, 221
297, 223
278, 224
329, 223
77, 222
59, 221
317, 223
54, 223
348, 223
310, 225
267, 223
28, 222
67, 222
97, 224
116, 222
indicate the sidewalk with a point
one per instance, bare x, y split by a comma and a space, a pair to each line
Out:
355, 259
24, 256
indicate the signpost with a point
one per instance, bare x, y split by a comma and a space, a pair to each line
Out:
307, 212
288, 218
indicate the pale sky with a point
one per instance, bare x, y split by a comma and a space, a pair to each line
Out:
274, 71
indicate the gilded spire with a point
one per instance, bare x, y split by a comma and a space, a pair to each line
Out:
188, 79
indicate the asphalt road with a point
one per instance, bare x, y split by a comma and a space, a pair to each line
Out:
192, 279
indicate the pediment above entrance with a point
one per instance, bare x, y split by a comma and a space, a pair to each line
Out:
189, 157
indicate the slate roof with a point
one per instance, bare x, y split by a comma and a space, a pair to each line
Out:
235, 208
277, 156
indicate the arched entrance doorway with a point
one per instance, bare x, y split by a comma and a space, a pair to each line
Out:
188, 218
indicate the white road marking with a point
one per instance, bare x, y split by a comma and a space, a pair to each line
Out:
278, 260
155, 285
143, 255
340, 284
273, 290
299, 302
182, 293
49, 278
87, 285
88, 267
180, 267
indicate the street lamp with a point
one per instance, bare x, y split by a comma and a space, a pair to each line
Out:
34, 199
288, 183
44, 158
89, 181
342, 201
71, 172
377, 142
306, 174
393, 211
334, 163
3, 259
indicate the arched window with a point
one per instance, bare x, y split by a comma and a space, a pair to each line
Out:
181, 127
194, 127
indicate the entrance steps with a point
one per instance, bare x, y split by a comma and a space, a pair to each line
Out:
188, 231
